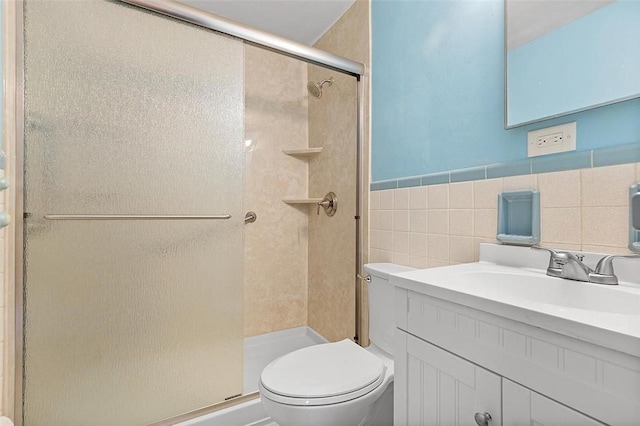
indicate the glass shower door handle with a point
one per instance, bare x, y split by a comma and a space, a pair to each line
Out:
135, 217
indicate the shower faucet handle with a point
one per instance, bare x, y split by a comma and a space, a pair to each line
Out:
329, 203
324, 204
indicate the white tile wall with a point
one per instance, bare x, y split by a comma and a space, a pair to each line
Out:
561, 225
461, 195
560, 189
606, 226
485, 193
418, 198
607, 186
438, 221
461, 222
438, 196
515, 183
418, 221
485, 222
439, 225
401, 199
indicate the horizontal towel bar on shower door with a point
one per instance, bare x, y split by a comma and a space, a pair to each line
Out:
134, 217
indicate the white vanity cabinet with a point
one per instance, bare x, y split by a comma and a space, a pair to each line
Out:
434, 387
523, 407
452, 361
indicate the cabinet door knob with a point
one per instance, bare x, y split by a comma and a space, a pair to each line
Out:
482, 419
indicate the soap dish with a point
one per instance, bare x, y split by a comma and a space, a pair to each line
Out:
519, 217
634, 218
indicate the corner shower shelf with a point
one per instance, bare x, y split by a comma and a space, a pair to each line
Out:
305, 152
302, 200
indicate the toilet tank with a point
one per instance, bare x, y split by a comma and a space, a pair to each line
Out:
381, 303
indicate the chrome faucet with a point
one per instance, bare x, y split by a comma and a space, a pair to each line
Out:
563, 264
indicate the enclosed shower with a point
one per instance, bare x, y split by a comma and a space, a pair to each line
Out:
147, 140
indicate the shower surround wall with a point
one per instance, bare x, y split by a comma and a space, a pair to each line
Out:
5, 296
333, 126
299, 266
332, 239
276, 244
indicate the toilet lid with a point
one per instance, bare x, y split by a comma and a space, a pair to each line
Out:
322, 371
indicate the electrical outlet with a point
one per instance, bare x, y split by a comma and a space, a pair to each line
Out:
552, 140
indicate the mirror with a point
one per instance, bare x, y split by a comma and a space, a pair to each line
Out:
565, 56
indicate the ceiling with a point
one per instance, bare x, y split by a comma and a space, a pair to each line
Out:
304, 21
530, 19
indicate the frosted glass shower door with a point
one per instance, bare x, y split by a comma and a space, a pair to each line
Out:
128, 322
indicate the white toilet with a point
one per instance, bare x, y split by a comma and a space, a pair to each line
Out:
339, 384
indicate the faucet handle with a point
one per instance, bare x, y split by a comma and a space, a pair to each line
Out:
559, 258
552, 251
605, 265
555, 255
560, 254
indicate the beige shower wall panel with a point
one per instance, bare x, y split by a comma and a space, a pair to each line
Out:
332, 239
333, 125
276, 245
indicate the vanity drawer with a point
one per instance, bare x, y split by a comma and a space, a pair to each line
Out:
600, 382
522, 407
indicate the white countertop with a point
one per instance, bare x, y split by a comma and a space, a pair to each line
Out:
511, 282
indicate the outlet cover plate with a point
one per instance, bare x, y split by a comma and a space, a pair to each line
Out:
551, 140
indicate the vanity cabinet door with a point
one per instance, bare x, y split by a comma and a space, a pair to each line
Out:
435, 387
523, 407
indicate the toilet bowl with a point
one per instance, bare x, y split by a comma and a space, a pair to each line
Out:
339, 384
327, 384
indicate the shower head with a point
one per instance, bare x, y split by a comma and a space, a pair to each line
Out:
316, 88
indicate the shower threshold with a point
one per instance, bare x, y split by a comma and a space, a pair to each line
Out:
259, 351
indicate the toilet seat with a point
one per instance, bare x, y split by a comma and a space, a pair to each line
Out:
322, 374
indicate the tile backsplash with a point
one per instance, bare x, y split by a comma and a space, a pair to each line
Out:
443, 224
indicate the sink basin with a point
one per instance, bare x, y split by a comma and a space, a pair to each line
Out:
511, 282
552, 291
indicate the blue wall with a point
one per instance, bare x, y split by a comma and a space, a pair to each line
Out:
438, 92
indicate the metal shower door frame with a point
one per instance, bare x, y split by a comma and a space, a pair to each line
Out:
13, 137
